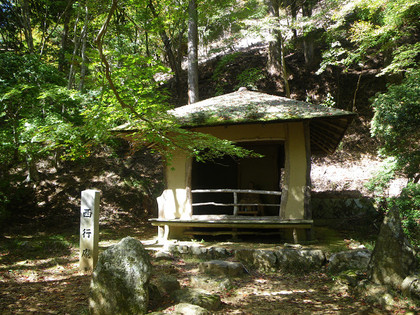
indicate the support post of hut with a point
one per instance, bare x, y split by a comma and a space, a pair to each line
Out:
296, 190
176, 200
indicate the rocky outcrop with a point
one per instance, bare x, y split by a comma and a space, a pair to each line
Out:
120, 280
393, 259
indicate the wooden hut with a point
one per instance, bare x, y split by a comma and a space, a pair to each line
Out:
251, 195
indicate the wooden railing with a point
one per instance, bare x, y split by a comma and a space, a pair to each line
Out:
236, 204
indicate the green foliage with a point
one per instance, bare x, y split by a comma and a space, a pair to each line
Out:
329, 101
249, 78
38, 114
365, 29
408, 204
381, 180
220, 70
396, 124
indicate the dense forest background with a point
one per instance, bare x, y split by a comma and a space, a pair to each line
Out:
71, 71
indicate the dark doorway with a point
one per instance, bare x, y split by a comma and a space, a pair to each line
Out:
250, 173
219, 174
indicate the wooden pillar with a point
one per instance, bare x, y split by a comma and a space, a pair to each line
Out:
295, 190
307, 188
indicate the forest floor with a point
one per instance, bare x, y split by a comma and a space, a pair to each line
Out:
39, 274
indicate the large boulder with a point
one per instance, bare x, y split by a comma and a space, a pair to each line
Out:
120, 280
393, 259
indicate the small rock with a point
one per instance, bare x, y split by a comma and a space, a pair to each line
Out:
198, 297
296, 246
163, 255
190, 309
356, 259
211, 284
218, 252
265, 260
199, 251
222, 268
411, 286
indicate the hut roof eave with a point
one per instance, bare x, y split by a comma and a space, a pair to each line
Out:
327, 125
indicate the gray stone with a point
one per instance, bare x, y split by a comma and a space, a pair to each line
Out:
222, 268
357, 259
265, 260
198, 297
199, 251
120, 280
211, 283
183, 249
393, 259
163, 255
245, 256
218, 252
411, 286
190, 309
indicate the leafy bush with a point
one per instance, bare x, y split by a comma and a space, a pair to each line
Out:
408, 204
396, 124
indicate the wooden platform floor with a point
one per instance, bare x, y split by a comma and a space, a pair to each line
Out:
231, 221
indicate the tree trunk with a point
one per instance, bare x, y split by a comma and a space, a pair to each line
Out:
64, 38
192, 53
309, 38
26, 23
274, 53
83, 68
76, 44
293, 12
33, 174
44, 33
276, 62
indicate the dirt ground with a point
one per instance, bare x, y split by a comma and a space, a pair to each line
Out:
46, 280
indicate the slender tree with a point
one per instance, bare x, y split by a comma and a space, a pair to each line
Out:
276, 60
193, 95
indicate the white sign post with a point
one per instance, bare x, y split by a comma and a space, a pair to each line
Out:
89, 230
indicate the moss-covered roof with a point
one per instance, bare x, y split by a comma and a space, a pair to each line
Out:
247, 107
327, 125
